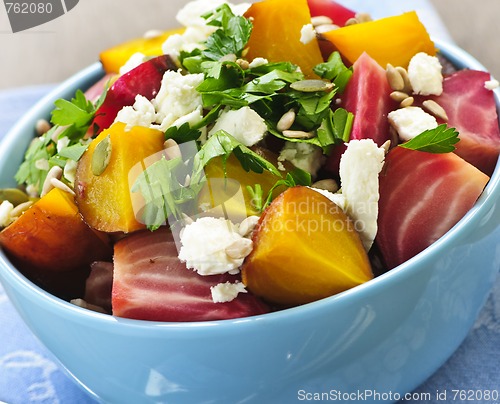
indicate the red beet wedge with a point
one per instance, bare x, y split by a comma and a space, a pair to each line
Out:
151, 283
422, 196
145, 80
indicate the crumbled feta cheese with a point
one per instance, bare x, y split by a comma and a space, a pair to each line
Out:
191, 14
177, 102
337, 198
360, 166
491, 84
244, 124
411, 121
5, 213
257, 62
307, 34
305, 156
178, 97
208, 246
135, 60
142, 113
226, 292
424, 72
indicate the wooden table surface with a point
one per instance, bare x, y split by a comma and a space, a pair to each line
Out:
54, 51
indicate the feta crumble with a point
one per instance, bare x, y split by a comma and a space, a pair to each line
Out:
305, 156
135, 60
5, 213
177, 102
411, 121
424, 72
360, 166
226, 292
208, 246
337, 198
307, 34
244, 124
491, 84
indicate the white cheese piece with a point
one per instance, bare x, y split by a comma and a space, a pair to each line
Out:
177, 102
424, 72
305, 156
360, 166
491, 84
411, 121
307, 34
178, 97
244, 124
337, 198
204, 244
135, 60
142, 113
5, 213
257, 62
226, 292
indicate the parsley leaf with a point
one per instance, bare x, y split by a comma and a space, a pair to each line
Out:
439, 140
222, 144
335, 70
230, 38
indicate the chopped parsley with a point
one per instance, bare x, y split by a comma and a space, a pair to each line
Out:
439, 140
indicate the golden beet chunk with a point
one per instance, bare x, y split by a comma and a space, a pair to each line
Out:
52, 237
305, 249
105, 176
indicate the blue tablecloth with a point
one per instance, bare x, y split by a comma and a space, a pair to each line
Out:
30, 374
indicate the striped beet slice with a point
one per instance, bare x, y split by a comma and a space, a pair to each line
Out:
422, 196
151, 283
471, 109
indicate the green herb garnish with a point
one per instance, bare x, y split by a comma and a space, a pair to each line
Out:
439, 140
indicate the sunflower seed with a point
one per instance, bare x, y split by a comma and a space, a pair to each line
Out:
54, 173
406, 79
386, 146
298, 134
13, 195
243, 63
321, 20
394, 78
42, 126
351, 21
61, 185
407, 102
311, 86
320, 29
399, 96
101, 156
326, 184
286, 121
363, 17
20, 209
239, 249
248, 225
435, 109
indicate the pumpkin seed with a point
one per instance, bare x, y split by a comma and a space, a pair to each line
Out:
298, 134
101, 156
311, 86
286, 121
13, 195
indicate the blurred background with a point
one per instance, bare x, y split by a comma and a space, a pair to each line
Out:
52, 52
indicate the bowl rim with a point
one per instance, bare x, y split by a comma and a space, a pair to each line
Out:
92, 73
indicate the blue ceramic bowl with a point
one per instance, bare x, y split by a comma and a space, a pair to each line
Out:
387, 335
